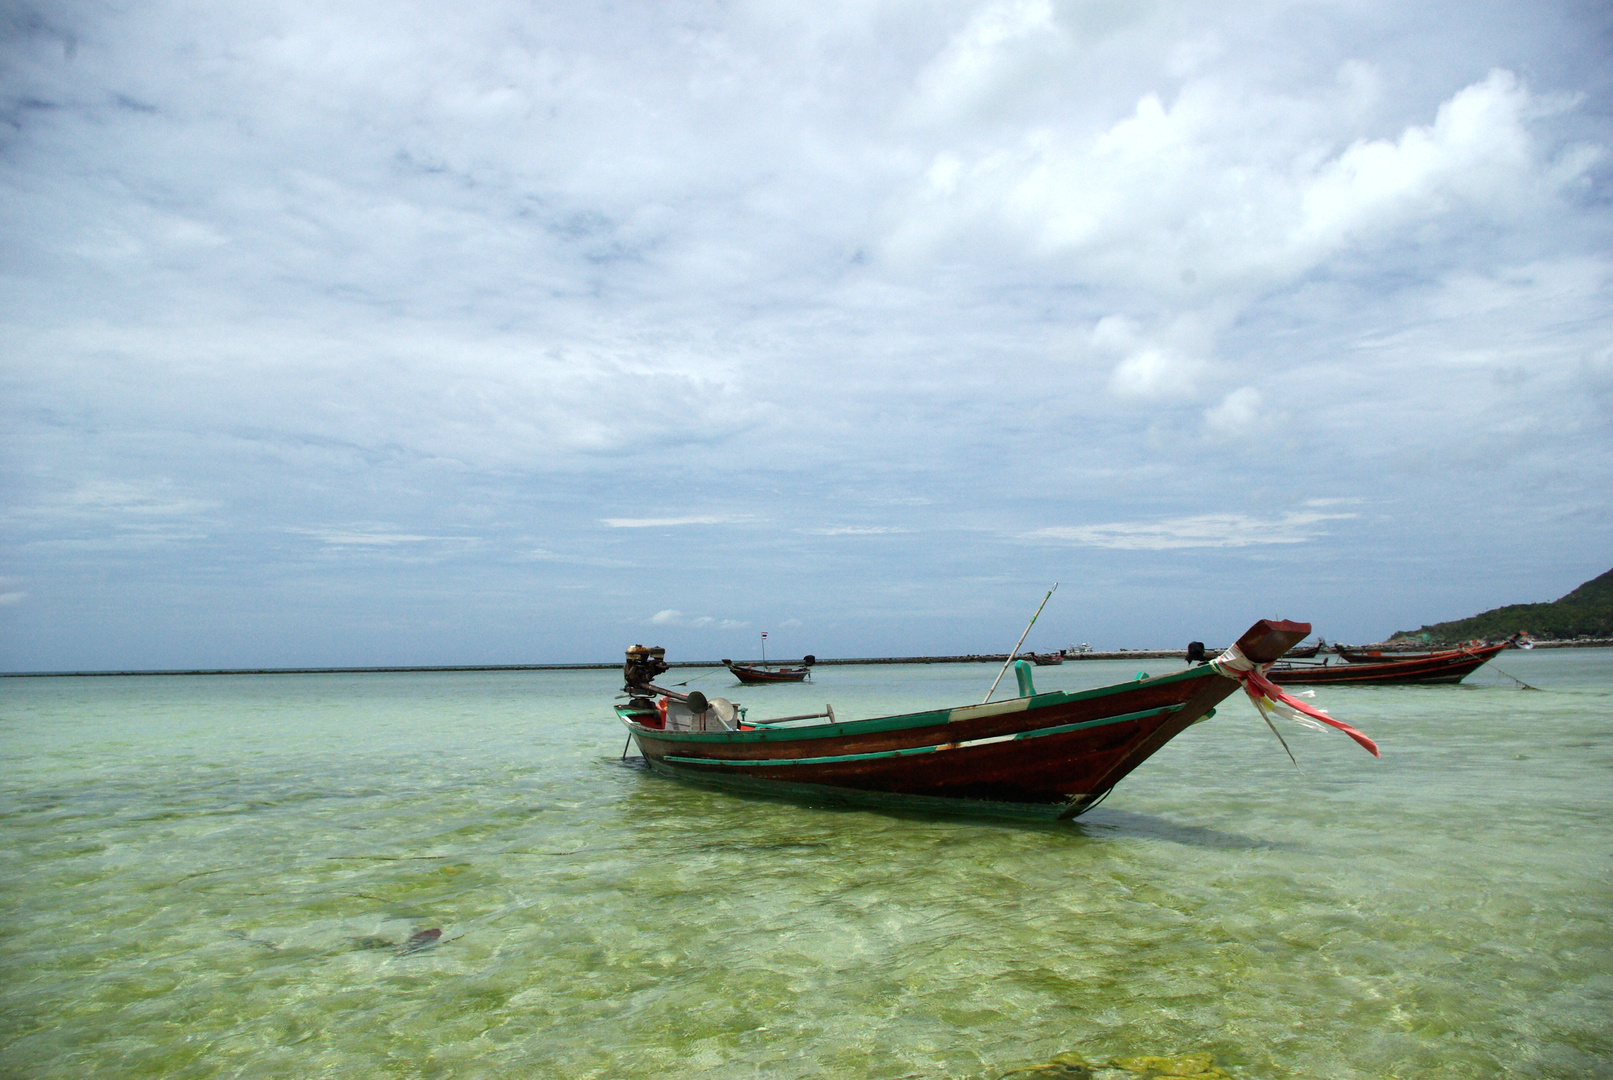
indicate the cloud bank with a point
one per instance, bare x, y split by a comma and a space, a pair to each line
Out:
479, 333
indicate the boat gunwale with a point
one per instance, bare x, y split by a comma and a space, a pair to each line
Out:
907, 721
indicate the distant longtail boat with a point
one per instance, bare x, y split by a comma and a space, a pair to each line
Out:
1448, 666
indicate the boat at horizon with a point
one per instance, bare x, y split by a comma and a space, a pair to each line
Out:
1377, 654
1445, 666
1047, 756
757, 674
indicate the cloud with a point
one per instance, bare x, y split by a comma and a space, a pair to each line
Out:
1201, 531
672, 522
492, 303
673, 617
855, 530
374, 537
1238, 415
8, 599
544, 555
1222, 189
129, 503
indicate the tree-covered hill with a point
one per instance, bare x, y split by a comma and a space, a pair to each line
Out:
1585, 612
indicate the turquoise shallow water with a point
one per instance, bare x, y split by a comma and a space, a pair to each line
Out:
201, 876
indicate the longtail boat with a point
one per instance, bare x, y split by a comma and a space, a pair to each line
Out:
1449, 666
754, 674
1368, 655
1048, 756
1303, 652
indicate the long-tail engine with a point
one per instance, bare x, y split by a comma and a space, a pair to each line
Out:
644, 663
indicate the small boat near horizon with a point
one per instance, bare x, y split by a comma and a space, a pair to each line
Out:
1377, 654
1445, 666
1047, 756
759, 674
762, 673
1305, 652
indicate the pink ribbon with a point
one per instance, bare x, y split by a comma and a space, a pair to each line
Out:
1257, 686
1269, 697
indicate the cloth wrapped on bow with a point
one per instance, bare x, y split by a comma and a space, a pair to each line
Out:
1272, 700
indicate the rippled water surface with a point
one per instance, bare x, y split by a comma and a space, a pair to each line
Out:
221, 876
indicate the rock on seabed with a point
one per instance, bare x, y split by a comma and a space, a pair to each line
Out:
1072, 1066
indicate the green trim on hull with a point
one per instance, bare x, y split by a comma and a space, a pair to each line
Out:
901, 721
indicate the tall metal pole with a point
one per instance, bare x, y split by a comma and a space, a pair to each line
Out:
1018, 643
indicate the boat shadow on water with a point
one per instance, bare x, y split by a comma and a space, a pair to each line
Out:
1100, 824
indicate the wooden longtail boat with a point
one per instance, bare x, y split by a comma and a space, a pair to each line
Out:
1450, 666
1357, 655
1046, 756
754, 674
1302, 652
1045, 659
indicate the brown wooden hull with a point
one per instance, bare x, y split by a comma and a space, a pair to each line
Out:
1382, 656
1444, 667
753, 676
1305, 653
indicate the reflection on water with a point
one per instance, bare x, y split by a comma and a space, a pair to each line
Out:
239, 877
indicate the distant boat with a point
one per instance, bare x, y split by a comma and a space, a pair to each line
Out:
1045, 659
1364, 655
1447, 666
1304, 652
753, 674
1048, 756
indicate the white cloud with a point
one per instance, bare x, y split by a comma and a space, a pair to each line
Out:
671, 522
855, 530
674, 617
1149, 367
373, 537
1201, 531
7, 599
1221, 189
605, 287
1002, 48
1238, 415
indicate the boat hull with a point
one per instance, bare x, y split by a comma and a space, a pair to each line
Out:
1444, 667
755, 676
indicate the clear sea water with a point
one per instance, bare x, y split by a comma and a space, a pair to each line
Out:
219, 877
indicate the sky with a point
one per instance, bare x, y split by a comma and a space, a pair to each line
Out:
412, 333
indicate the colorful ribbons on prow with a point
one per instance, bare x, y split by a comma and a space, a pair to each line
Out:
1272, 700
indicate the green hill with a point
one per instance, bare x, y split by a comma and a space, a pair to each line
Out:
1585, 612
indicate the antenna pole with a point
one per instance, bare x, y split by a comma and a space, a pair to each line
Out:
1018, 643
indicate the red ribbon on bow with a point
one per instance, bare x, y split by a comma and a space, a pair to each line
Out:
1268, 695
